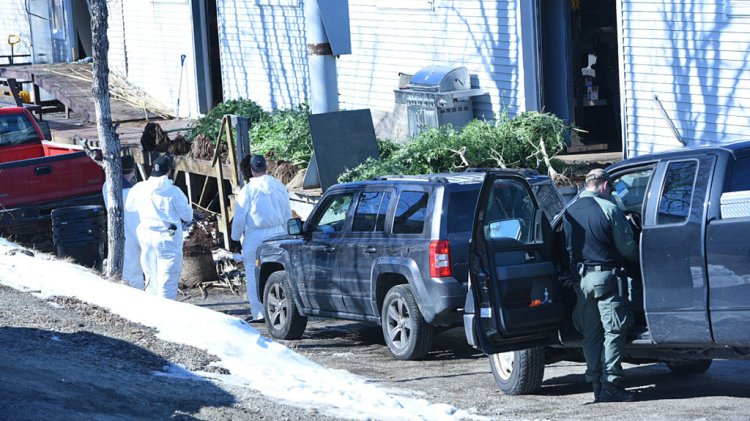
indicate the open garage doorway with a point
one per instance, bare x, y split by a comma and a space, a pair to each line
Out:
580, 70
207, 59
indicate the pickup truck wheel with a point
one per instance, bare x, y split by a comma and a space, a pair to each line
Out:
282, 317
518, 372
689, 367
406, 332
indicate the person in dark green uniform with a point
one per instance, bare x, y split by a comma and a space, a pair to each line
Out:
599, 239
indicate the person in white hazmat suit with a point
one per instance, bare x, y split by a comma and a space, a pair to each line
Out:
162, 209
262, 211
131, 265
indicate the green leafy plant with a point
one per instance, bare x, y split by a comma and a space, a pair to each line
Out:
210, 124
527, 141
284, 135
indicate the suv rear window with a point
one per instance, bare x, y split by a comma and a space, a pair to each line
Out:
461, 208
410, 213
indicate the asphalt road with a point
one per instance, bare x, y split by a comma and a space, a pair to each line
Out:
62, 359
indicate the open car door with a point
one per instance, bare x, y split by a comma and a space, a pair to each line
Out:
513, 279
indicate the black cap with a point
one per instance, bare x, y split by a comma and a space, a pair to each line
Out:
128, 163
258, 163
162, 165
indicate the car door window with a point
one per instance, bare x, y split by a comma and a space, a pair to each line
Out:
509, 212
677, 192
333, 214
629, 189
370, 213
411, 211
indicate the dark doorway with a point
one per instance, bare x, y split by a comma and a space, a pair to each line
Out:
580, 70
207, 59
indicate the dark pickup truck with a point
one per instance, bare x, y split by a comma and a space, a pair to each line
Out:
690, 290
37, 176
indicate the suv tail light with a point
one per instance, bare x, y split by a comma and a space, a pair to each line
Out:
440, 259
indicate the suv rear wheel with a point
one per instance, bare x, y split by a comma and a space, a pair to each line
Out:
518, 372
689, 367
406, 332
282, 317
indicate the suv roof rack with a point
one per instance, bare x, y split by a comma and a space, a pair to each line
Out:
443, 178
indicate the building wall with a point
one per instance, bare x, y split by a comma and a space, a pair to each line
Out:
264, 57
693, 55
14, 21
146, 39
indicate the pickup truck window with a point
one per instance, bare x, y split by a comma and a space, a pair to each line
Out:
677, 193
15, 130
740, 175
410, 212
630, 189
370, 213
333, 214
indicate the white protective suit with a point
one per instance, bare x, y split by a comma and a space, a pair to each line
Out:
262, 211
160, 205
131, 265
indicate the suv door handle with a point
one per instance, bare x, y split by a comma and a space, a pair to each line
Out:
329, 249
370, 250
43, 170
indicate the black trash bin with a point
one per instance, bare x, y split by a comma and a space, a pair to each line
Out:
79, 232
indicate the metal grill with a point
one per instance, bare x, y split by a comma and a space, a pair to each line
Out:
438, 95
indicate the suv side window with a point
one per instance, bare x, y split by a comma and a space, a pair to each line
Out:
411, 211
461, 207
677, 192
333, 213
740, 175
509, 212
371, 211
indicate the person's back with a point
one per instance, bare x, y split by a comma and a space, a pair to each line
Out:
161, 204
269, 203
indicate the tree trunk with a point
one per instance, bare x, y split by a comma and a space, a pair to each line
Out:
107, 139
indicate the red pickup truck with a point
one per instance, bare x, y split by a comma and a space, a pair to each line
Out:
37, 176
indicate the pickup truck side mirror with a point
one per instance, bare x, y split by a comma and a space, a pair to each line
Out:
294, 226
44, 125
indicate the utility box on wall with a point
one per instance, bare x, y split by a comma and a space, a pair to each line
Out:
438, 95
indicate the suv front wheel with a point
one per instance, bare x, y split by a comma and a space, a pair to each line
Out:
406, 332
518, 372
282, 317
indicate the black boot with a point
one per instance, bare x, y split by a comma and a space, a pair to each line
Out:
612, 393
597, 390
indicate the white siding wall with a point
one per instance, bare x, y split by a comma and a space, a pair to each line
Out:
13, 20
263, 53
116, 37
694, 56
148, 37
264, 58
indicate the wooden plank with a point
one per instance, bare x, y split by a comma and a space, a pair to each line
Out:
183, 163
